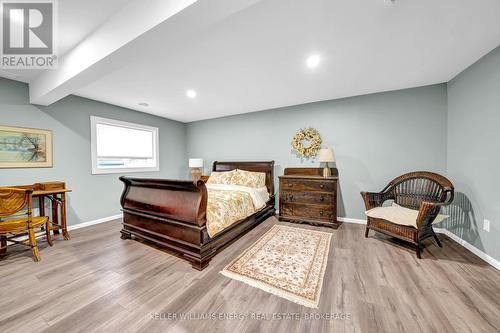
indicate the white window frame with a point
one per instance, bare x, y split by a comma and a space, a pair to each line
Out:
93, 144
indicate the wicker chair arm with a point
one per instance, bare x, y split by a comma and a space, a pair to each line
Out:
373, 199
428, 212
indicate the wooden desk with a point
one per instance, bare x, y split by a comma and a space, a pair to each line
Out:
56, 193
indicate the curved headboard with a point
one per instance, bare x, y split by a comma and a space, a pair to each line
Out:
266, 166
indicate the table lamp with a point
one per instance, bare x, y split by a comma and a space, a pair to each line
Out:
196, 164
325, 156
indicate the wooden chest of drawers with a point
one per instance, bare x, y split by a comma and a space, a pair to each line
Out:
306, 196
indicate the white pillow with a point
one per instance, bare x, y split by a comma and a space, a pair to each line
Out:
249, 178
222, 177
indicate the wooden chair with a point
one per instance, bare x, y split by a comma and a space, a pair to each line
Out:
426, 192
16, 205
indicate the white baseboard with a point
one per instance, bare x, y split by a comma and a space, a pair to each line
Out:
94, 222
342, 219
489, 259
349, 220
76, 226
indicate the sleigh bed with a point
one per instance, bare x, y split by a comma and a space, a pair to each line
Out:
173, 213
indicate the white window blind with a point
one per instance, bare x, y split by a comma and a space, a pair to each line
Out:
123, 142
119, 147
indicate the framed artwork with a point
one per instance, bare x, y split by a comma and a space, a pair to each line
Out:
25, 147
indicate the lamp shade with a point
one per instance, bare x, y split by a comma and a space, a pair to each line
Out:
196, 163
326, 155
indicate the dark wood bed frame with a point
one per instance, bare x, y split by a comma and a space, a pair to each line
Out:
172, 213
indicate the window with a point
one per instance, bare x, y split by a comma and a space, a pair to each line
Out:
118, 146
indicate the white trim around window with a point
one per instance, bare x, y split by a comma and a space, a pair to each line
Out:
143, 157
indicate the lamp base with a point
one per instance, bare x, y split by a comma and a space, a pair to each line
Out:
196, 173
327, 172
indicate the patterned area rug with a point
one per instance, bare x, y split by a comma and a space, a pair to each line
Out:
287, 262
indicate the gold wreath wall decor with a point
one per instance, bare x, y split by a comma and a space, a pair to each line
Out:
312, 137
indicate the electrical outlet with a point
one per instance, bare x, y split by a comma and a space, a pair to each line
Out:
486, 225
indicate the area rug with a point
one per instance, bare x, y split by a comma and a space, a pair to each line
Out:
287, 262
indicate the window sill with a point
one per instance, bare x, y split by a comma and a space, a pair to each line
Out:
124, 170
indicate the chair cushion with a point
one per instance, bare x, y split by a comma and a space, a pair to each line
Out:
399, 215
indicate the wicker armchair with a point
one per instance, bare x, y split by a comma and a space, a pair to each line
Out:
16, 206
426, 192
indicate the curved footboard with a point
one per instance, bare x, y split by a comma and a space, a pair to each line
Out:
179, 200
168, 213
172, 214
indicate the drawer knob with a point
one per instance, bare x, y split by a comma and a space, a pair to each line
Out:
290, 185
321, 186
322, 198
321, 212
290, 197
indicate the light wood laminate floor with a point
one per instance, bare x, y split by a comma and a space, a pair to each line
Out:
98, 282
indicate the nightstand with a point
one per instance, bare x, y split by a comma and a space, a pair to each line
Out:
305, 196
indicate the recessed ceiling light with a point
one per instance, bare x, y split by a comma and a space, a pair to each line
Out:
313, 61
144, 104
191, 93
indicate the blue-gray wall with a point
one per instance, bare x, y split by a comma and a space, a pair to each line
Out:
93, 196
449, 128
474, 153
375, 138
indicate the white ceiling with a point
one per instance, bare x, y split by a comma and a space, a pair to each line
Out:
76, 19
254, 58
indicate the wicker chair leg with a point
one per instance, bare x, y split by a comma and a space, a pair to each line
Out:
366, 232
34, 248
437, 239
418, 251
